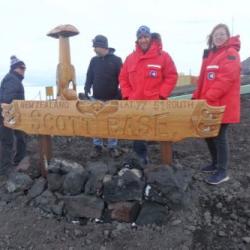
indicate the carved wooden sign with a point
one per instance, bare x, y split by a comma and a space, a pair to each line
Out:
162, 120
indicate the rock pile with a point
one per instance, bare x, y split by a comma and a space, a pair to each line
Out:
123, 192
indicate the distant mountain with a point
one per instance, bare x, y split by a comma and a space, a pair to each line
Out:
245, 67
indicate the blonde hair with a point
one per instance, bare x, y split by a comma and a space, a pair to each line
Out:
210, 36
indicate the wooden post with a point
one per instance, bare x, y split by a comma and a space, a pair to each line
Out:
45, 147
166, 152
65, 70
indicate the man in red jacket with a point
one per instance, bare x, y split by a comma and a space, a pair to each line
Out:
148, 73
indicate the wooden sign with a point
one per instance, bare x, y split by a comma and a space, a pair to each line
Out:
162, 120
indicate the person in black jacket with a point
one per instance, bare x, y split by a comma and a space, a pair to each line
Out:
102, 77
11, 89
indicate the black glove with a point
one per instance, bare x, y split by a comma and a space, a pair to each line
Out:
82, 96
87, 92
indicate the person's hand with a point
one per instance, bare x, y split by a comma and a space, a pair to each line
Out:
162, 98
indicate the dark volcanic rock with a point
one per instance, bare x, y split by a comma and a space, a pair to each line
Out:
74, 182
168, 186
124, 211
128, 187
84, 206
152, 213
18, 182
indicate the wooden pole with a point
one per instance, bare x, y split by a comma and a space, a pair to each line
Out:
166, 152
45, 146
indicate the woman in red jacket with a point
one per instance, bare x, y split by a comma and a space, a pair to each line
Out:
219, 85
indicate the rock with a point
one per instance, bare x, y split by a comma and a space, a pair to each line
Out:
57, 209
135, 171
222, 234
124, 211
46, 201
219, 205
132, 161
233, 216
54, 166
246, 240
30, 165
18, 182
74, 182
61, 166
98, 168
208, 218
169, 186
152, 213
84, 206
94, 184
123, 188
97, 171
191, 228
106, 234
37, 188
78, 233
176, 222
55, 181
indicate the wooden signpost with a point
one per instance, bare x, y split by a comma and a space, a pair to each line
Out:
165, 121
159, 120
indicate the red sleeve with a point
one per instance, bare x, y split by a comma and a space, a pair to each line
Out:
197, 91
227, 75
124, 80
169, 76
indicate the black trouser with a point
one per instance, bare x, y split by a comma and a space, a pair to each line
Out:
219, 148
10, 156
140, 147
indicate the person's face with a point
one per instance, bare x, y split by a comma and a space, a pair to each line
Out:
100, 51
144, 42
21, 70
219, 36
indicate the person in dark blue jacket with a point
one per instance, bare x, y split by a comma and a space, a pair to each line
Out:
11, 89
102, 77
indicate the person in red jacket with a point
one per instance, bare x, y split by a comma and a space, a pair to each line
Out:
148, 73
219, 85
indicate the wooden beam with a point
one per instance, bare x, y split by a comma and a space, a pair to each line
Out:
163, 120
166, 152
45, 146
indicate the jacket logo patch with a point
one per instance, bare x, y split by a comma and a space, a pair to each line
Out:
153, 73
231, 57
210, 76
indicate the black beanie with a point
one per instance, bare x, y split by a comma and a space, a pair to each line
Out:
100, 41
16, 63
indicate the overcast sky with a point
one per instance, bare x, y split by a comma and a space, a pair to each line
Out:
184, 26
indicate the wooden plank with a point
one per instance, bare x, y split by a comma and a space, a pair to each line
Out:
45, 146
166, 152
162, 120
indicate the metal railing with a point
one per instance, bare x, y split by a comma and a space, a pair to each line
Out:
244, 89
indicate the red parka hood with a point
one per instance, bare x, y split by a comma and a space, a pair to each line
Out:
233, 42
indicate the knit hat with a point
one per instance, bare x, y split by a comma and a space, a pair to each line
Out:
16, 63
100, 41
143, 31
